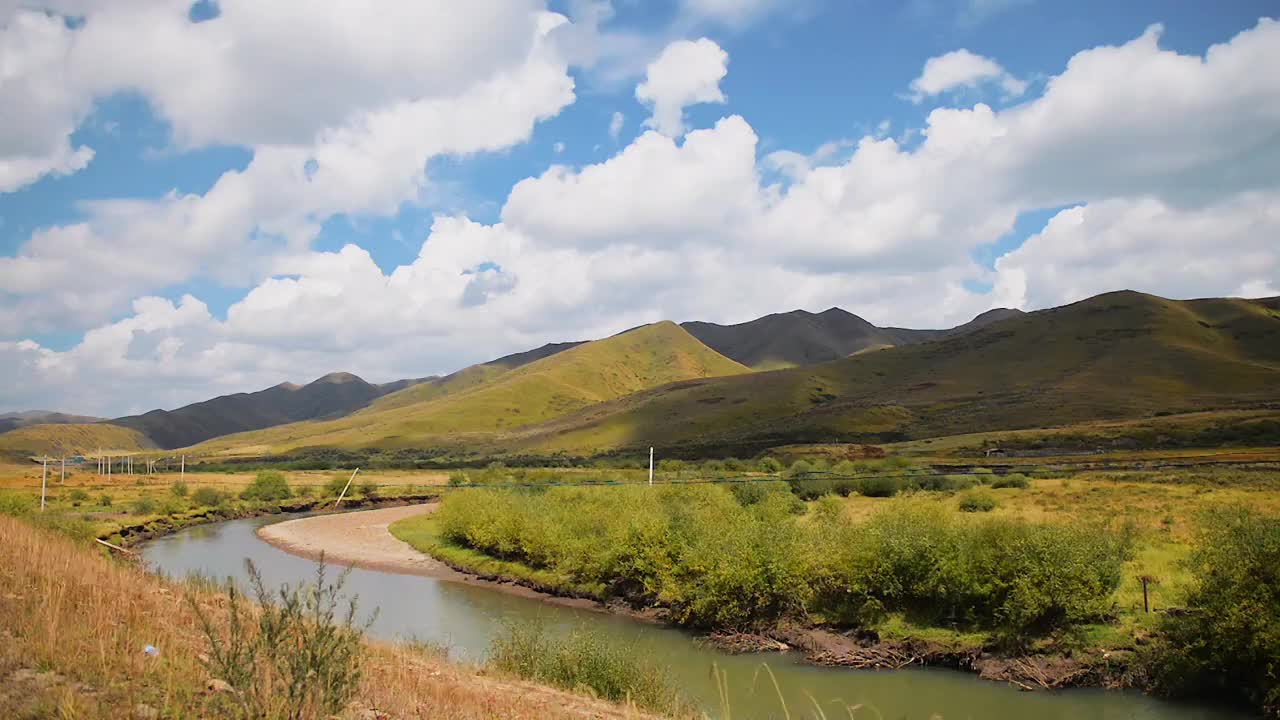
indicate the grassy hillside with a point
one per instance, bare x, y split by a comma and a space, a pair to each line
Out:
1114, 356
69, 440
485, 400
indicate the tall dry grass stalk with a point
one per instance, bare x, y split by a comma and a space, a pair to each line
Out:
74, 625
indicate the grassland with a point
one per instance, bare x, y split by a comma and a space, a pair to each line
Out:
67, 440
485, 402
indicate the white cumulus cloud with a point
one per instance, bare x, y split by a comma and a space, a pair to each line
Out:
686, 73
963, 69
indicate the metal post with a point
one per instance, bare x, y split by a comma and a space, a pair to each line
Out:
651, 467
44, 477
344, 489
64, 471
183, 476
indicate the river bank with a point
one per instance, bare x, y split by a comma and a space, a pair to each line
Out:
365, 539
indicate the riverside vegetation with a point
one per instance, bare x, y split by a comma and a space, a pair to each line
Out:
748, 556
74, 623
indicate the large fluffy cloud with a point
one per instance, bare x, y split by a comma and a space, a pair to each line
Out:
364, 152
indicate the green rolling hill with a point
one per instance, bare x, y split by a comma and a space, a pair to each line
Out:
65, 440
1118, 355
487, 400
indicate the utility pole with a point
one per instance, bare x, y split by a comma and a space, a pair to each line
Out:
650, 467
344, 489
44, 478
183, 476
64, 471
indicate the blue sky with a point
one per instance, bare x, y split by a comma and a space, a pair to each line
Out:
814, 115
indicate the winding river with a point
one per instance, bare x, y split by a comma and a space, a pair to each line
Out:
465, 618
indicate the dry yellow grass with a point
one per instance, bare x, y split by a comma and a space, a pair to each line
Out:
73, 625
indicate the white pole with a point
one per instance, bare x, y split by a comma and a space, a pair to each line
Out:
109, 467
183, 477
44, 478
650, 467
344, 489
64, 470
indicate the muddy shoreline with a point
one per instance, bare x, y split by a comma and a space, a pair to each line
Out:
362, 540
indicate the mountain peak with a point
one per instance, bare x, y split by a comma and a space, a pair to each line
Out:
337, 378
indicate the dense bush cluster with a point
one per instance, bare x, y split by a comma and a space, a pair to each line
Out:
734, 557
1227, 643
268, 486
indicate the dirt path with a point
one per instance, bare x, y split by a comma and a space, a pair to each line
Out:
361, 539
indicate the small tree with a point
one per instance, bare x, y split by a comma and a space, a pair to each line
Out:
268, 486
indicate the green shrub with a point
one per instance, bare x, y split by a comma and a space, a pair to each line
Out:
879, 486
268, 486
769, 465
1012, 480
369, 490
104, 500
77, 496
457, 478
17, 504
799, 467
978, 502
179, 489
298, 655
735, 557
335, 485
585, 661
144, 506
208, 496
1227, 644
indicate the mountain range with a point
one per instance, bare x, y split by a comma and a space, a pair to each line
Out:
784, 378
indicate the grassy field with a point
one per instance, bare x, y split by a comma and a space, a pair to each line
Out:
73, 624
487, 401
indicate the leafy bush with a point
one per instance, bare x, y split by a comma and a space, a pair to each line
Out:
978, 502
1012, 480
208, 496
1014, 577
268, 486
736, 557
17, 504
335, 485
77, 496
179, 489
144, 506
369, 490
457, 478
769, 465
1228, 644
585, 660
302, 656
104, 500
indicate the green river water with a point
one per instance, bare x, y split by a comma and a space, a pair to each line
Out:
465, 618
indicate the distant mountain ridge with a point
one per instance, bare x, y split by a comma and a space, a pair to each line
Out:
333, 395
14, 420
508, 393
1114, 356
800, 338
